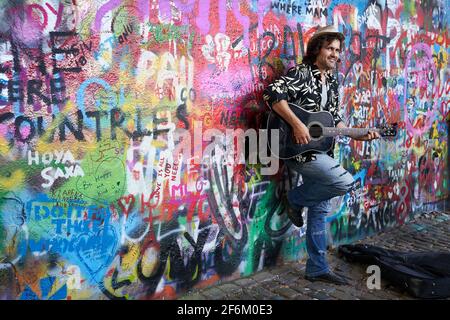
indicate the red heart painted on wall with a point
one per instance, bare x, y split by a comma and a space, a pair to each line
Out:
126, 203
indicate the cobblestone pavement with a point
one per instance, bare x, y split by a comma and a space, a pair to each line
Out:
430, 231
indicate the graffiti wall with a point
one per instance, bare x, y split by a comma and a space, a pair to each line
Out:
97, 98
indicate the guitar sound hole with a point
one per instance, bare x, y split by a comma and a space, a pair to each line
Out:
315, 131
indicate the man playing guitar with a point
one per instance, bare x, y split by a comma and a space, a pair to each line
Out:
312, 86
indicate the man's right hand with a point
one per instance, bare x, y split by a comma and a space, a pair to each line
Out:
301, 134
299, 130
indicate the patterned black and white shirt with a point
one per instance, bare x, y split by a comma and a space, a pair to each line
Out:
302, 85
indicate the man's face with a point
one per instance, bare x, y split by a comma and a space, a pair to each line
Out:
329, 55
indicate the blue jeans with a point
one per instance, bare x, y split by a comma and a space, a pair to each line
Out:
323, 179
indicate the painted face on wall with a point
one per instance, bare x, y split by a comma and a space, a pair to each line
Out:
329, 55
12, 222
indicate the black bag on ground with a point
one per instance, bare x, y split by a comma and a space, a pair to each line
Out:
422, 274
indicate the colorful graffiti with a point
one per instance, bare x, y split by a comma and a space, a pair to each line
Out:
97, 204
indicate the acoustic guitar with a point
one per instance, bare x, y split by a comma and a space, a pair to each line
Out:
321, 129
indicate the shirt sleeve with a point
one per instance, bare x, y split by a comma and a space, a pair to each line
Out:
284, 88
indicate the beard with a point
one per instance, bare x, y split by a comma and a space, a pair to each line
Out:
331, 64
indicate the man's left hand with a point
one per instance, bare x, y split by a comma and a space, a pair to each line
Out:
371, 135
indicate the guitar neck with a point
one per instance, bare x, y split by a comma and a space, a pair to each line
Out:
333, 131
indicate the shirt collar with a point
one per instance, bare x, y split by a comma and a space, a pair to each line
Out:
316, 73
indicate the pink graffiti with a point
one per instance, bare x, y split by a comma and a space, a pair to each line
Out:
58, 14
243, 20
3, 130
31, 15
144, 8
164, 10
344, 13
222, 15
430, 114
104, 9
42, 21
188, 7
27, 27
202, 18
262, 4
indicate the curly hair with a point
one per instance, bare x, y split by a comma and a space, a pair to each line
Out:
314, 46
